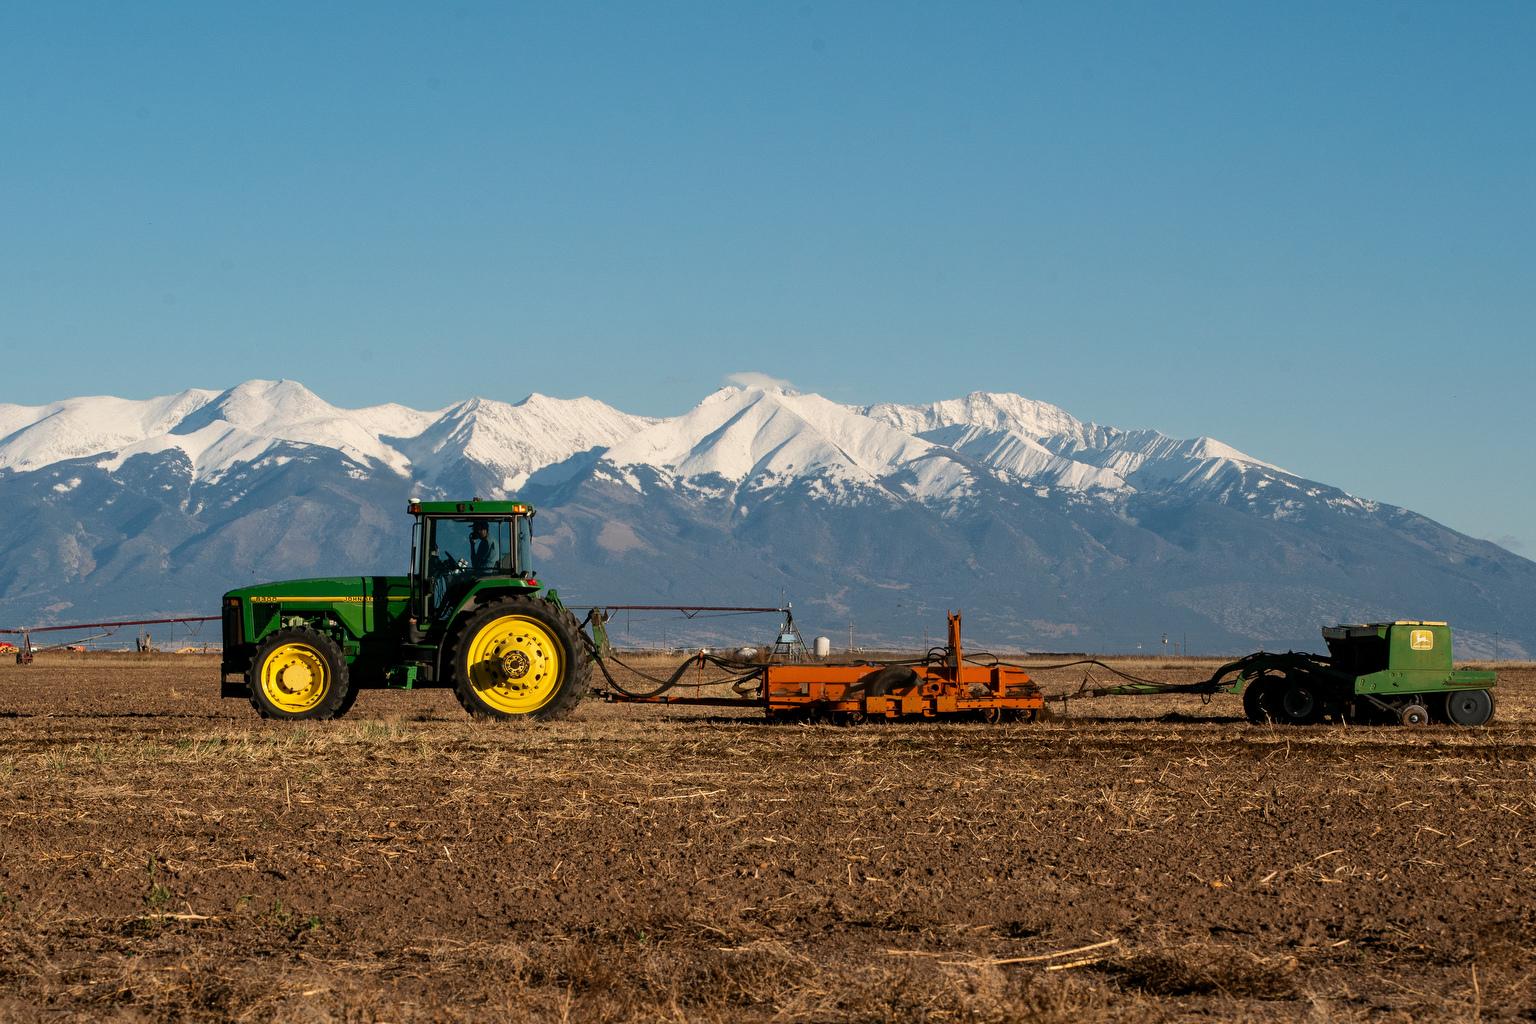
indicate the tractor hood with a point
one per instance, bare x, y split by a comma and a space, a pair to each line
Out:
321, 590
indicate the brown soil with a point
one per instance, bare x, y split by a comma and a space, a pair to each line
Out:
167, 856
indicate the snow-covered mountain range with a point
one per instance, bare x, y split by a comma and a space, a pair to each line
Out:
749, 437
1051, 531
217, 431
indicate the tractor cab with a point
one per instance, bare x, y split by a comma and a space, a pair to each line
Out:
461, 547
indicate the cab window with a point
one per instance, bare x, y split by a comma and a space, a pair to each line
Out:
462, 549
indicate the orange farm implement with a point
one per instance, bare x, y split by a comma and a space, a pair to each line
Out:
943, 684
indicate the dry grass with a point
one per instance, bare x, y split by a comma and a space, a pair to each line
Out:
165, 856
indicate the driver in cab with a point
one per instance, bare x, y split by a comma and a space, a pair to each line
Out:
448, 565
483, 554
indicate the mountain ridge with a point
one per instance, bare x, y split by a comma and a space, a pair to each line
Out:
1060, 527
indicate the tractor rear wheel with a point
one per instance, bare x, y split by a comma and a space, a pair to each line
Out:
1469, 707
517, 657
299, 673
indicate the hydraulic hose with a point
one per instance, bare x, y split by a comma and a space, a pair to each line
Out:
738, 682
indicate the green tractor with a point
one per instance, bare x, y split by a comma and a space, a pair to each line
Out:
470, 616
1382, 672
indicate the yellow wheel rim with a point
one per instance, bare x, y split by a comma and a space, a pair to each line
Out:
515, 664
295, 678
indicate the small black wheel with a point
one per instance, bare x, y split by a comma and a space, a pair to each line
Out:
299, 673
1469, 707
1299, 704
1261, 699
887, 681
1413, 714
518, 657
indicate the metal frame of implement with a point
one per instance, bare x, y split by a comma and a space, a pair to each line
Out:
940, 686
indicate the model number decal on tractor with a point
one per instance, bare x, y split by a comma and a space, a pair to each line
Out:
352, 599
309, 600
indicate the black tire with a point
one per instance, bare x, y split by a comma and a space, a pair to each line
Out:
534, 631
1299, 703
347, 701
1261, 699
1469, 708
1413, 713
884, 682
304, 650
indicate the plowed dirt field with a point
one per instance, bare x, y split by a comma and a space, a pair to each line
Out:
167, 856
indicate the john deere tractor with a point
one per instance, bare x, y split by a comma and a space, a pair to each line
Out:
471, 615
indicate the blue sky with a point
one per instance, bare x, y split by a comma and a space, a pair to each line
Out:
1306, 229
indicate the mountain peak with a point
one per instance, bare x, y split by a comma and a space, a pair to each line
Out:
727, 393
770, 433
756, 381
992, 410
258, 403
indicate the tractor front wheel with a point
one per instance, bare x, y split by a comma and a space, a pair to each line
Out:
299, 673
517, 657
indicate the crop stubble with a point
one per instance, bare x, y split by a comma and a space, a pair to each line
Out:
167, 856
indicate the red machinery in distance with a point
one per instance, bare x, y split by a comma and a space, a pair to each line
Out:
26, 650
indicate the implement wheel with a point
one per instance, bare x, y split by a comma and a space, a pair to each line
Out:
1469, 707
1413, 714
517, 657
1261, 700
1300, 704
299, 673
